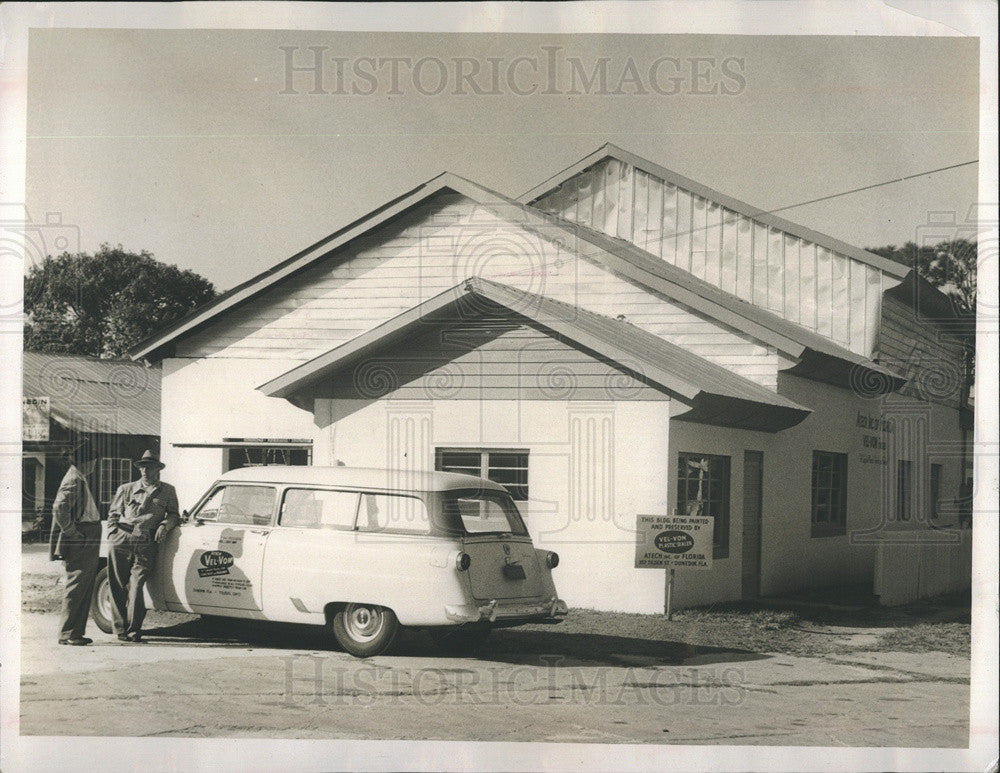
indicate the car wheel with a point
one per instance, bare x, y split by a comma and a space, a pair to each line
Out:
461, 639
100, 602
365, 630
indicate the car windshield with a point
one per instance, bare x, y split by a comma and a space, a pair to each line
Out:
484, 512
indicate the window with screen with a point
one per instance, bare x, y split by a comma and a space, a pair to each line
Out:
114, 473
904, 490
242, 505
394, 514
318, 509
829, 494
508, 468
703, 489
260, 455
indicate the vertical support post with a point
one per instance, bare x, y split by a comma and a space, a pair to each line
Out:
670, 593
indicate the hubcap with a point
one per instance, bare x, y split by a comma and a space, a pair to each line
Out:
104, 599
363, 623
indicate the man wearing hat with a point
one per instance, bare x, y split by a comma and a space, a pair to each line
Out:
76, 540
141, 515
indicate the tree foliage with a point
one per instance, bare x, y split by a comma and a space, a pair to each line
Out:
950, 266
105, 303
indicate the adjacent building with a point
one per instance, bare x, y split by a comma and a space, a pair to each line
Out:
113, 405
619, 341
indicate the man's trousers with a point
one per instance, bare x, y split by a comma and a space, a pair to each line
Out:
130, 562
82, 558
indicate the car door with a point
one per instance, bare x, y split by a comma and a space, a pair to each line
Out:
217, 560
308, 561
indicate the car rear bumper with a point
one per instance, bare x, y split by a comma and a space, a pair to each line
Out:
496, 611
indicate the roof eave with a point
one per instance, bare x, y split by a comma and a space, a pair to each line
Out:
867, 378
737, 413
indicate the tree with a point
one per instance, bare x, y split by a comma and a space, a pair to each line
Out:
105, 303
950, 266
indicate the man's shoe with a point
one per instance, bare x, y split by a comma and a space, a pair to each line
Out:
135, 638
81, 641
123, 637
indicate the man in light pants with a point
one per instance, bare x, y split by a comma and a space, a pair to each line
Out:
76, 539
140, 517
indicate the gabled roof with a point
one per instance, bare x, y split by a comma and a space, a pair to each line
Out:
617, 255
714, 394
609, 150
91, 395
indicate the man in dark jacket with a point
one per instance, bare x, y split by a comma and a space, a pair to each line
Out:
141, 515
76, 539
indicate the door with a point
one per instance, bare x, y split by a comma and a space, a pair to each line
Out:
753, 484
216, 558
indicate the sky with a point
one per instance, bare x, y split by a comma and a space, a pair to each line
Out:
181, 142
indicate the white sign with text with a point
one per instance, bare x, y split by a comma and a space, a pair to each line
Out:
674, 541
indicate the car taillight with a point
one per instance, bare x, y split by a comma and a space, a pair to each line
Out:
551, 560
463, 561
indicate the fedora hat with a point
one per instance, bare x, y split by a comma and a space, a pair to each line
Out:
149, 458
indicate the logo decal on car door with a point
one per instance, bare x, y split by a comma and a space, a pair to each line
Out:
215, 562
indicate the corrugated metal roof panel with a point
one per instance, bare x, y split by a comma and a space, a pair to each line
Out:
92, 395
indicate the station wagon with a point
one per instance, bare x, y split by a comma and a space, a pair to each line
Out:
361, 551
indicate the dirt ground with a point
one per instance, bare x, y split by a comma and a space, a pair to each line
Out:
732, 675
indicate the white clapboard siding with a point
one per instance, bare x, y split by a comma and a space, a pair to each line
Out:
432, 250
833, 294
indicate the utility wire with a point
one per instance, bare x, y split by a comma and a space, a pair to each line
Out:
875, 185
825, 198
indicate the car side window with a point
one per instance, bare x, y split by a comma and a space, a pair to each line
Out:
243, 505
392, 513
318, 509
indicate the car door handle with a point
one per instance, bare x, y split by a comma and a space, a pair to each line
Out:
260, 531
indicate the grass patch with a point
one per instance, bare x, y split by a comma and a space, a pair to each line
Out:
953, 638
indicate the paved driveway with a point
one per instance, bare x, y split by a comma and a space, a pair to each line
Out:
195, 678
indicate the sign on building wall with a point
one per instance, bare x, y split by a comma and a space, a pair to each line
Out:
674, 541
35, 414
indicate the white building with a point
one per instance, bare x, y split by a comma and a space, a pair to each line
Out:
611, 344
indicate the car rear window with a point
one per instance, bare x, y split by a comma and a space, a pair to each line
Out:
484, 512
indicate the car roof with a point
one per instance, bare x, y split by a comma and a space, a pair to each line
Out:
379, 479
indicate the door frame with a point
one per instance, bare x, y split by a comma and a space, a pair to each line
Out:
752, 590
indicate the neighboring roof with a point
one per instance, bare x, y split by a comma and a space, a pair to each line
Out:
715, 395
91, 395
930, 303
618, 255
360, 478
609, 150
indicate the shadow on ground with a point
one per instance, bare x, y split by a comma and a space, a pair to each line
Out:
545, 648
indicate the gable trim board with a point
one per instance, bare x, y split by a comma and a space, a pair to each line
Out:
617, 255
714, 394
611, 151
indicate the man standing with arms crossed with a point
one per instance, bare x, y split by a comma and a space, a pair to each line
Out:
141, 515
76, 539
